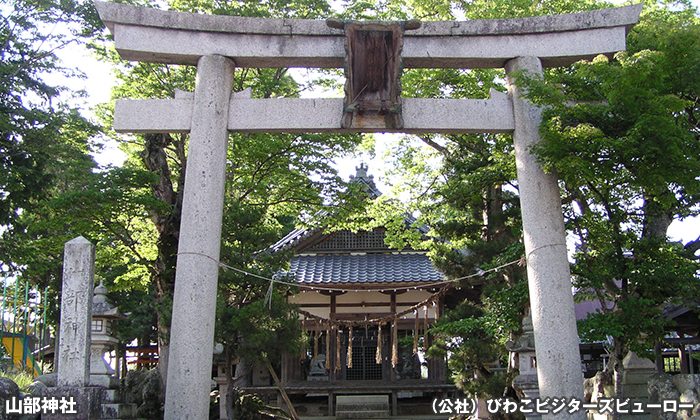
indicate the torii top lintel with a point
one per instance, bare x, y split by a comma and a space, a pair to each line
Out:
152, 35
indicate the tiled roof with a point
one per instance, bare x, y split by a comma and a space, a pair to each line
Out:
364, 268
290, 240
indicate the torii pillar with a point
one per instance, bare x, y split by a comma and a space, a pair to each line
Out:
551, 301
215, 43
194, 302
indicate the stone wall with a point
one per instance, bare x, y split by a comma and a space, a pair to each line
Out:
661, 387
683, 388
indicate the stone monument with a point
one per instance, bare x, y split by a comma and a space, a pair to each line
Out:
217, 44
73, 358
76, 310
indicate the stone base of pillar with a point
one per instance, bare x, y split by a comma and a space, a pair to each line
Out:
121, 411
81, 403
529, 386
635, 379
105, 381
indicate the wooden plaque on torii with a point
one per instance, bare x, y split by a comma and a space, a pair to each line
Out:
373, 69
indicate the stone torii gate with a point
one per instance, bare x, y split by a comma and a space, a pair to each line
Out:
217, 44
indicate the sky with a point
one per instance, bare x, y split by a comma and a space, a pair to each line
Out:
100, 80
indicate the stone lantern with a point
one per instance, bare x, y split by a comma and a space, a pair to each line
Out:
103, 313
523, 352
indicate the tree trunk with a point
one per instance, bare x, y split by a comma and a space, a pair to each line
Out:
243, 370
656, 221
163, 353
242, 380
155, 160
616, 370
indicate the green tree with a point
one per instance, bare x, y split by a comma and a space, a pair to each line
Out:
464, 187
623, 136
254, 330
626, 154
33, 119
271, 179
474, 213
45, 144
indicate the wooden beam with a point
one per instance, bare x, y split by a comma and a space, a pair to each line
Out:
676, 342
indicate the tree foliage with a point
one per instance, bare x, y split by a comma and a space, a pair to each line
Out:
622, 134
132, 213
45, 143
623, 137
626, 152
463, 186
37, 127
271, 179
